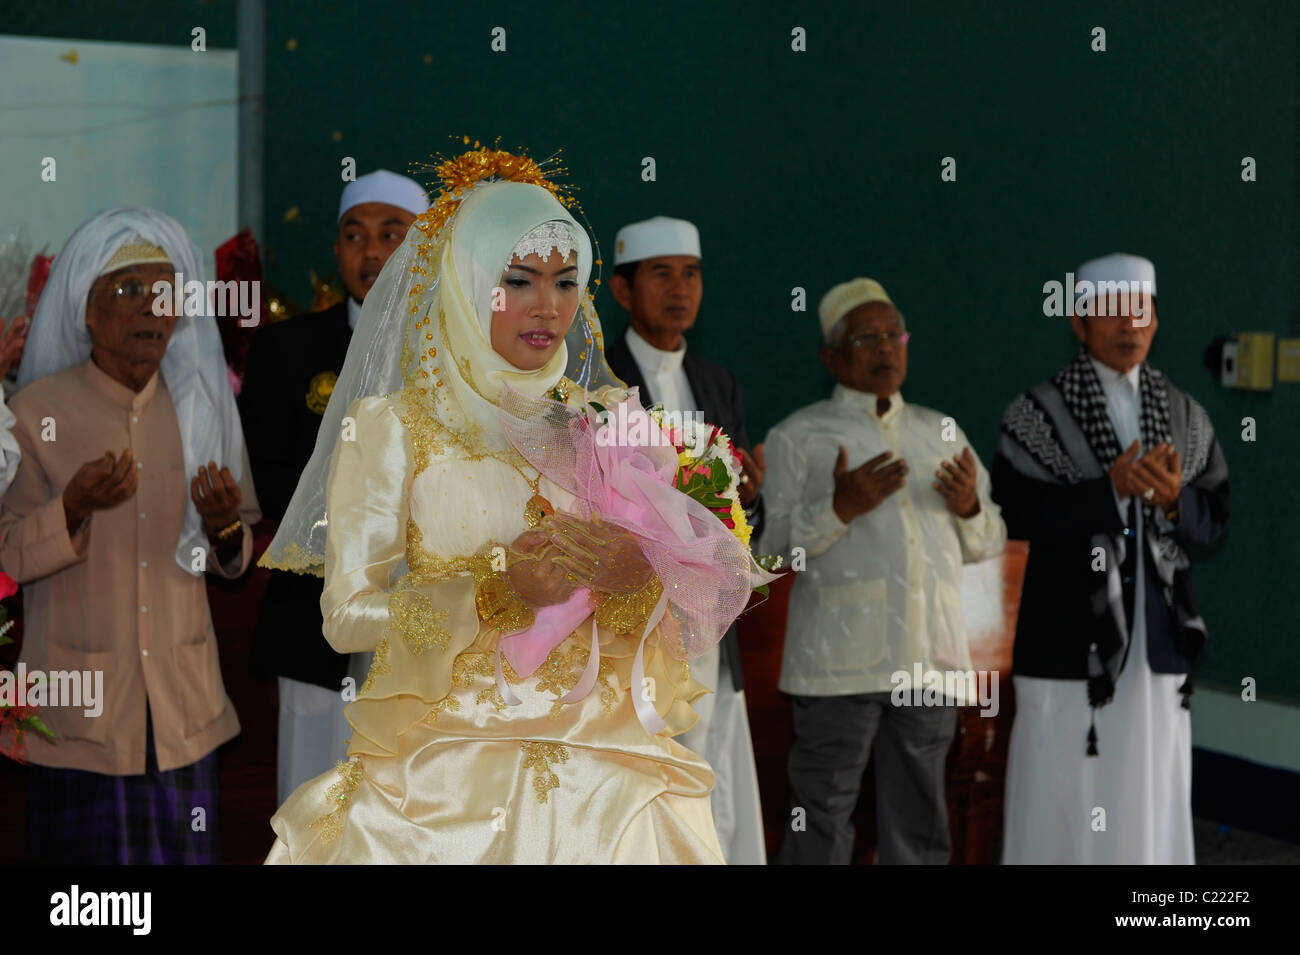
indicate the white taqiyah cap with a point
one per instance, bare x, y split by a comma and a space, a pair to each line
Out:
384, 186
847, 296
651, 238
1118, 267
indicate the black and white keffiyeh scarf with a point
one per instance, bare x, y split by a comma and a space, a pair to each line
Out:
1061, 432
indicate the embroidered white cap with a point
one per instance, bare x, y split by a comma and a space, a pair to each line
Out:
651, 238
847, 296
384, 186
136, 252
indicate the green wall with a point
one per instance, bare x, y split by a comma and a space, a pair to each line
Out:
803, 169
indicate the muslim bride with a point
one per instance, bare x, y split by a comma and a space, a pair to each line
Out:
532, 599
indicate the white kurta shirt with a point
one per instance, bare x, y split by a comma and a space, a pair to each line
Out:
663, 372
882, 592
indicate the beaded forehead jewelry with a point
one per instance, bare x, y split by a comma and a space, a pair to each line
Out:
541, 239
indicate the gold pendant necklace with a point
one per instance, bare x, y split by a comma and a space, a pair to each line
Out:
538, 507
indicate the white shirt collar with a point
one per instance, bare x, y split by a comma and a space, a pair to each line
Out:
652, 361
354, 312
866, 401
1109, 376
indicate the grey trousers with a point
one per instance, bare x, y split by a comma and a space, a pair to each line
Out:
833, 740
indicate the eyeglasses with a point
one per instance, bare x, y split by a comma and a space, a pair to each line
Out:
129, 293
874, 340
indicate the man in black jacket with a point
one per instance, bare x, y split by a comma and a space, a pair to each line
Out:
657, 279
1109, 472
292, 368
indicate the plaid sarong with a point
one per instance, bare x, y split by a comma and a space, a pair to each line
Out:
75, 817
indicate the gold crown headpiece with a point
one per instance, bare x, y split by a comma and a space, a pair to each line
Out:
458, 175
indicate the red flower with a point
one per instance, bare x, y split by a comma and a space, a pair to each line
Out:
8, 586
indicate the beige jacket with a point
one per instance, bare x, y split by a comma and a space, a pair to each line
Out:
122, 607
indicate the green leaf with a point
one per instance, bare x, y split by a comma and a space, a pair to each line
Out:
600, 409
697, 482
763, 589
34, 722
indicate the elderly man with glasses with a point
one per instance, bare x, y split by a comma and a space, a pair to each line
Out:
133, 485
884, 501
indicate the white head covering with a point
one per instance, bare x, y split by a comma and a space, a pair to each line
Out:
847, 296
384, 186
1118, 267
194, 366
651, 238
426, 327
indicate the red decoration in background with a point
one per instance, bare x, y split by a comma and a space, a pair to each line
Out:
238, 260
17, 718
36, 281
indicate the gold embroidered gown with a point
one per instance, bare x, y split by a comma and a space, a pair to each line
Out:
441, 770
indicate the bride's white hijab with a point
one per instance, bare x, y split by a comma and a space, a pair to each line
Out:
426, 325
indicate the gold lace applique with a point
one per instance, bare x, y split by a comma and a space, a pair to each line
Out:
296, 559
629, 613
558, 674
472, 664
608, 687
500, 608
561, 671
539, 756
420, 425
427, 567
420, 625
448, 702
469, 665
378, 666
339, 796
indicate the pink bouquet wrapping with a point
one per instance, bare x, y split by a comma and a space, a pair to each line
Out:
621, 468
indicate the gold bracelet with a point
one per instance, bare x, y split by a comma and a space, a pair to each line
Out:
228, 531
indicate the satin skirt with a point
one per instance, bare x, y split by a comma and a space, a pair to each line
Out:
476, 781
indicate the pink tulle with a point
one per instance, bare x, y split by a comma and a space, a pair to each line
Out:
623, 468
